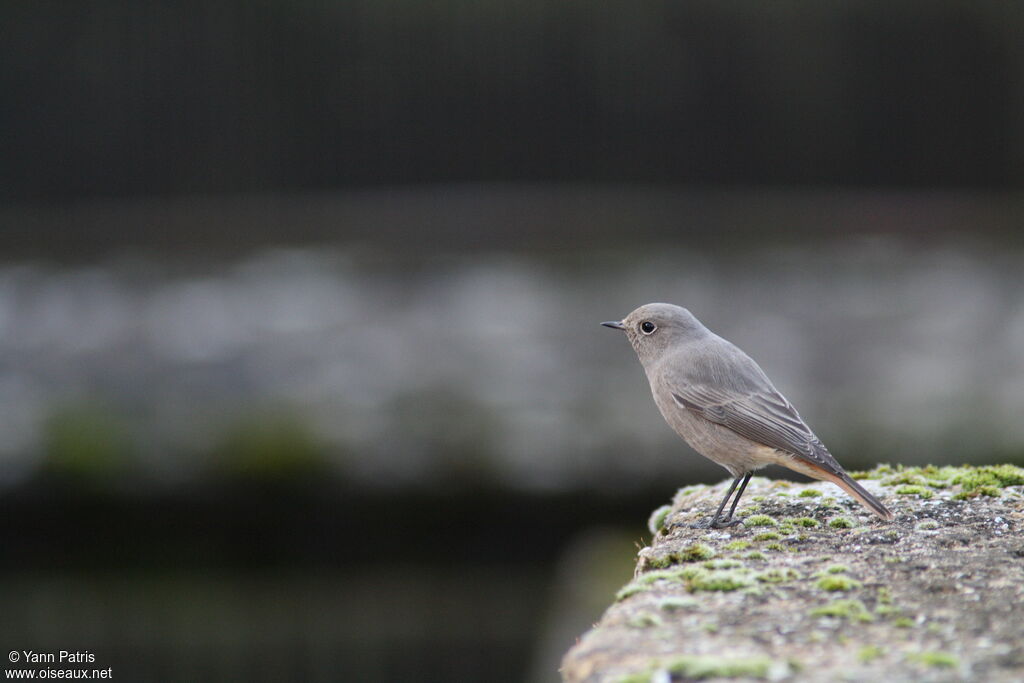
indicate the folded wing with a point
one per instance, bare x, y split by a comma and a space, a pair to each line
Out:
763, 416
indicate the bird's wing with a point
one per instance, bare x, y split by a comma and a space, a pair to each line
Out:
762, 415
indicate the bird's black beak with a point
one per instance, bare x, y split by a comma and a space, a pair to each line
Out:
614, 324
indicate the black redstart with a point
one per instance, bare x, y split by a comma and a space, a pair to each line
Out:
722, 404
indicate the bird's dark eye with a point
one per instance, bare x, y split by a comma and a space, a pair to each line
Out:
647, 327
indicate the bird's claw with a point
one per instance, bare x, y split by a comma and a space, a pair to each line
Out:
724, 523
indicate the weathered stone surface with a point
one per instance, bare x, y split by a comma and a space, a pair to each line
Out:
822, 590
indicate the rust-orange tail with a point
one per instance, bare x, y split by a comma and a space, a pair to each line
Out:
844, 482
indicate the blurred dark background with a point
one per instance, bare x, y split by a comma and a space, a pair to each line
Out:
300, 371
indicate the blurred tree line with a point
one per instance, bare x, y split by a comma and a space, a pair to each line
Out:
125, 97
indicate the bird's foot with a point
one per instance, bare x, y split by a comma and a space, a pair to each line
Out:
724, 523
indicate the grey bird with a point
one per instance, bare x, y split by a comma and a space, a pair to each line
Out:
724, 406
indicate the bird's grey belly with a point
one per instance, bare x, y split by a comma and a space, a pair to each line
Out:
719, 444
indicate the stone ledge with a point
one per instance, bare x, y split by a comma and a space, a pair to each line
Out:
813, 587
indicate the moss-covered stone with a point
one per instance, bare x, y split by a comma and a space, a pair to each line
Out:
692, 553
724, 581
973, 478
778, 575
837, 582
935, 659
645, 620
676, 604
658, 518
696, 553
722, 564
869, 653
631, 589
759, 520
959, 551
700, 667
648, 578
915, 490
854, 610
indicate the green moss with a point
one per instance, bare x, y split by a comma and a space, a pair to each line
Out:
810, 493
695, 553
754, 555
985, 480
876, 473
974, 478
657, 521
991, 491
675, 604
869, 653
935, 659
638, 677
688, 572
767, 536
808, 522
853, 610
691, 553
914, 489
629, 590
757, 499
840, 523
738, 545
887, 610
905, 478
723, 581
837, 582
927, 525
774, 546
837, 569
699, 667
778, 576
884, 596
903, 622
723, 564
760, 520
645, 620
648, 578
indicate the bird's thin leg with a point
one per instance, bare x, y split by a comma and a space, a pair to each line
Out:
739, 493
715, 522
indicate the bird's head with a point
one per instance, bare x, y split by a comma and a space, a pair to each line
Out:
653, 329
